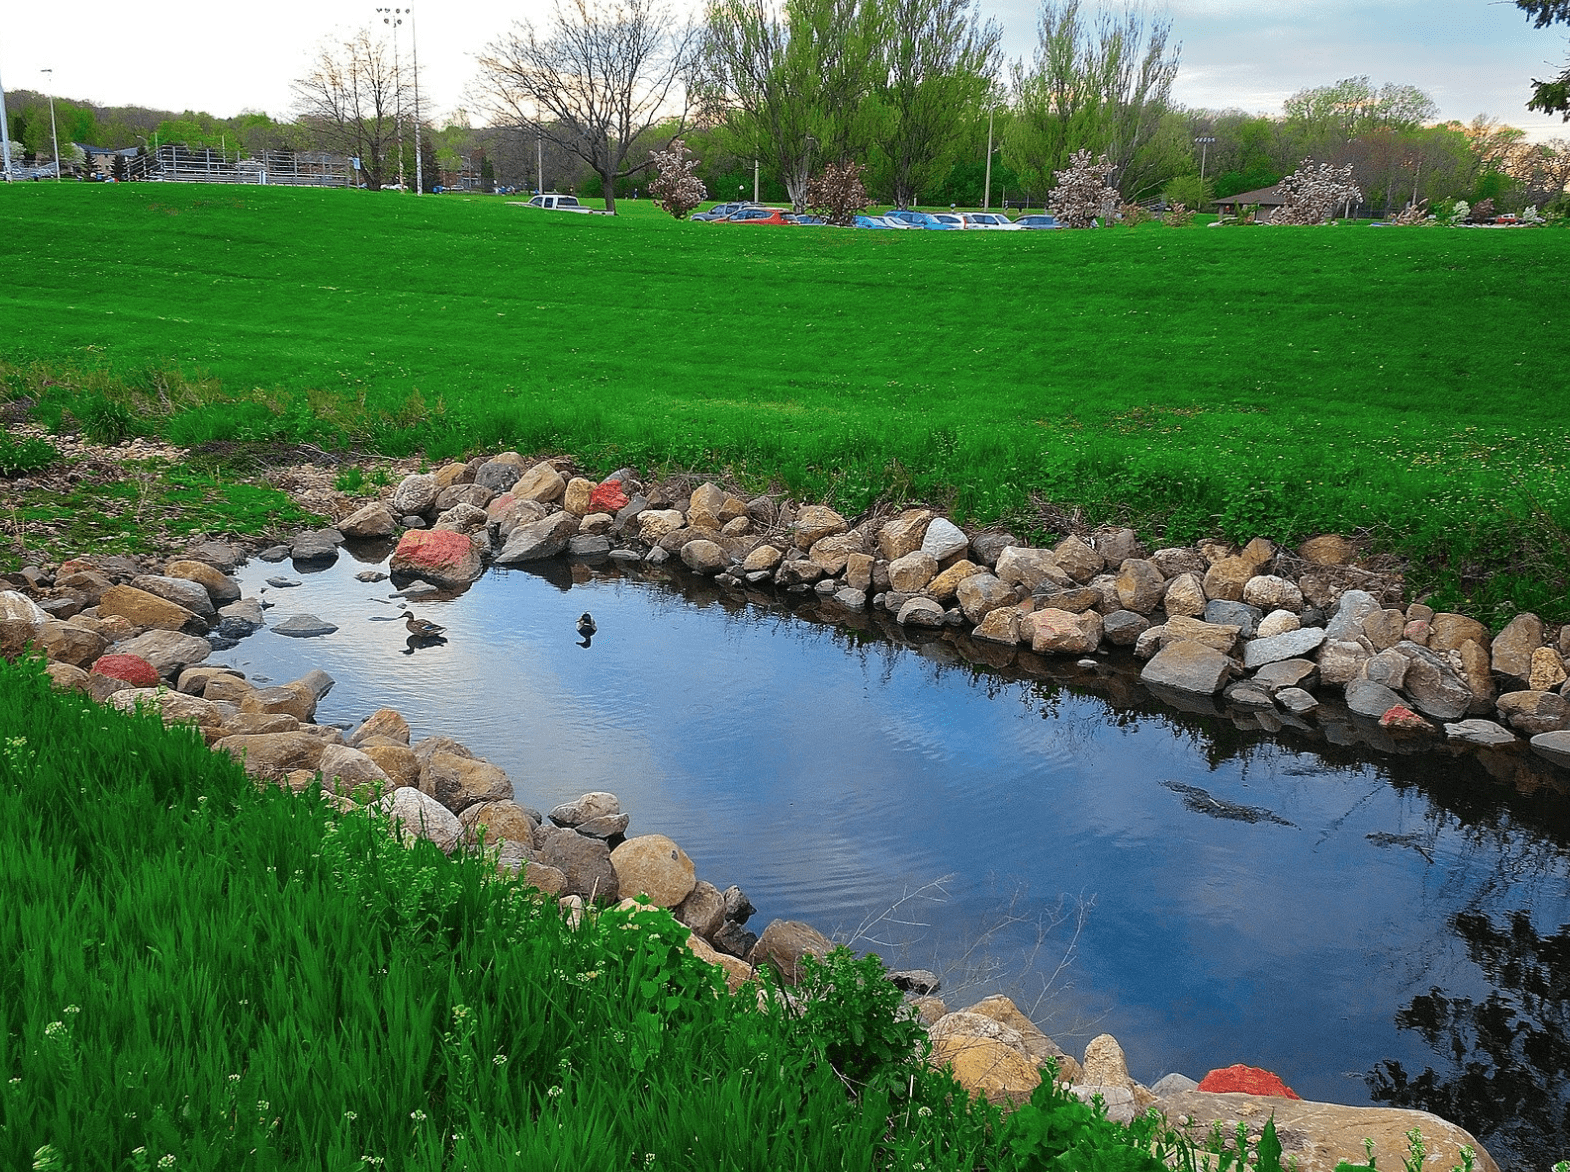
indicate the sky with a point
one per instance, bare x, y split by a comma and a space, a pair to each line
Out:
1473, 56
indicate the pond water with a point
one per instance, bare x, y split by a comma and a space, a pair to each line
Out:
1392, 929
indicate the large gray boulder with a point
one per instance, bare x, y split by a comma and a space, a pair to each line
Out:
1366, 698
1347, 623
1291, 645
585, 864
168, 651
191, 595
1433, 685
415, 815
784, 943
538, 540
1553, 746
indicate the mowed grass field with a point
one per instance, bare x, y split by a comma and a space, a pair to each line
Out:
1405, 384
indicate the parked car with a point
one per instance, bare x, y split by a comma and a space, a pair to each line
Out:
952, 219
760, 216
808, 221
993, 221
552, 202
722, 211
881, 223
1040, 221
920, 220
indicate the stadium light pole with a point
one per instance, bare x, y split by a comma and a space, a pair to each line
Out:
419, 163
986, 195
393, 17
54, 135
5, 136
1204, 142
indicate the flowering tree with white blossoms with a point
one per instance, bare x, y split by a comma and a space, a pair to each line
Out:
1313, 193
676, 188
1082, 193
838, 194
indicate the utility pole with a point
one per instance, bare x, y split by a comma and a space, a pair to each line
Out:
5, 136
539, 159
986, 196
54, 136
754, 180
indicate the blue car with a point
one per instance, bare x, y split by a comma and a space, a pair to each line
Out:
922, 220
878, 222
1038, 222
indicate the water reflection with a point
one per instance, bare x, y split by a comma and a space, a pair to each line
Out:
1254, 893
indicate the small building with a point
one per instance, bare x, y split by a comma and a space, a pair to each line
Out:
1267, 199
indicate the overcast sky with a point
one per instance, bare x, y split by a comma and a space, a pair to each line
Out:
1473, 56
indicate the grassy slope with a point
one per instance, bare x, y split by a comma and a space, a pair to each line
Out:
1277, 382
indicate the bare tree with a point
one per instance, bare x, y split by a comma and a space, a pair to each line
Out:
351, 98
598, 79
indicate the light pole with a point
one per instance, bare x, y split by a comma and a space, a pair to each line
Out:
54, 136
1204, 142
391, 16
419, 163
986, 195
5, 136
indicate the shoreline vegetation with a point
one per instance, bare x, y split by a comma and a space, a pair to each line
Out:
1400, 387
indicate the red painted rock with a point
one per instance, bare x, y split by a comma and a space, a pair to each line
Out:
1248, 1080
440, 556
133, 669
1400, 718
607, 497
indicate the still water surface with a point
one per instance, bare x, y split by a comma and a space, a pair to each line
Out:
1368, 928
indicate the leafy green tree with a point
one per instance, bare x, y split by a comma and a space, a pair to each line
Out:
1551, 97
1102, 89
794, 84
941, 60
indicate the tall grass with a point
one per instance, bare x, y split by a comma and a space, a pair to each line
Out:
1404, 384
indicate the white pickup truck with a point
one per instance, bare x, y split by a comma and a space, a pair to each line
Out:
552, 202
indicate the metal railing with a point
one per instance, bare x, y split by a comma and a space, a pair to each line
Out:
178, 164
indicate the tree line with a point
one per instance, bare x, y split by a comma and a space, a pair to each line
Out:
767, 93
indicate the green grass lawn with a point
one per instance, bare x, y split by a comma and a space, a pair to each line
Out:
1405, 383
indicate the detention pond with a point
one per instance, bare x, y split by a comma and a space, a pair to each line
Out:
1373, 928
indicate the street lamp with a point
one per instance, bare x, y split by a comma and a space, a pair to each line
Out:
5, 137
54, 137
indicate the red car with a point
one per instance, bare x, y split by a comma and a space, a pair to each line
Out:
759, 216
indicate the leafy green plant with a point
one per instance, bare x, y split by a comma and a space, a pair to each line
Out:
349, 479
29, 454
857, 1019
104, 420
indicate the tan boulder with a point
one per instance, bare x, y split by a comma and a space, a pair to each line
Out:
784, 943
1548, 670
541, 483
654, 866
221, 588
1060, 632
596, 524
145, 610
65, 678
222, 685
815, 522
912, 572
398, 762
1041, 1049
415, 815
761, 560
274, 755
459, 782
858, 571
455, 473
295, 699
985, 1056
1385, 628
703, 556
1258, 553
703, 508
1272, 592
1079, 560
68, 643
832, 553
703, 910
1139, 585
384, 722
654, 524
1104, 1064
1183, 629
1477, 672
508, 512
173, 707
503, 819
345, 770
945, 586
1449, 631
575, 498
1000, 626
981, 594
1513, 648
904, 534
1326, 550
1019, 565
372, 520
1315, 1137
1226, 578
253, 723
1185, 596
737, 971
